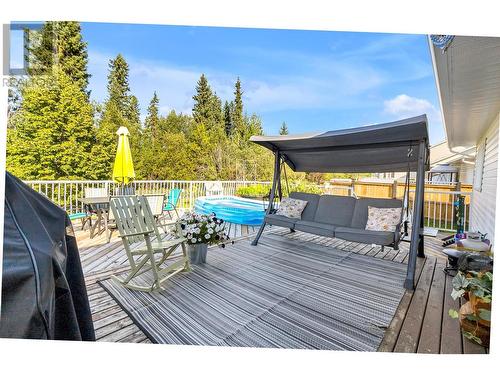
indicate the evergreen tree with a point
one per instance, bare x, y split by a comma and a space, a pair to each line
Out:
118, 87
176, 123
60, 44
217, 114
203, 102
120, 109
134, 126
152, 122
254, 126
284, 129
228, 122
54, 131
238, 120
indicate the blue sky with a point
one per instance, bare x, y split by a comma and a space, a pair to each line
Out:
312, 80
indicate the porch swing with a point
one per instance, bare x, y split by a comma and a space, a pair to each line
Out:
400, 146
406, 216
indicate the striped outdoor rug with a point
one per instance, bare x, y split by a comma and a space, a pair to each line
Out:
280, 294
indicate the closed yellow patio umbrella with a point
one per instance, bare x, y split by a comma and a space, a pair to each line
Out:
123, 169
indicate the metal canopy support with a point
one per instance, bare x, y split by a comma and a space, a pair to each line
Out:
417, 237
276, 186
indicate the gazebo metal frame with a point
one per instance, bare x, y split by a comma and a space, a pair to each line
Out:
396, 146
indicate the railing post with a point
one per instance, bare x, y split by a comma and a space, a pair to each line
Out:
395, 189
190, 195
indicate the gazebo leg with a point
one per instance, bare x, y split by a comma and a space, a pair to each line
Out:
417, 243
276, 179
259, 233
421, 253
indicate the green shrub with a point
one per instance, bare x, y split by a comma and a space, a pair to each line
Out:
253, 191
303, 187
259, 191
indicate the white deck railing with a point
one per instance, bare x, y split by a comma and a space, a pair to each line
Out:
66, 193
439, 211
439, 208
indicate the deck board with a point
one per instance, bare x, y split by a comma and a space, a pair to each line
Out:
410, 331
451, 338
421, 323
431, 326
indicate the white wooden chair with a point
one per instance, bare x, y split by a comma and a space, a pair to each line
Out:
92, 192
156, 204
213, 188
142, 242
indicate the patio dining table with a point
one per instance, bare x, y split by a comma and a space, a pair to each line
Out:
99, 206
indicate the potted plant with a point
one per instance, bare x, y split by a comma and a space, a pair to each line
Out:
201, 231
475, 314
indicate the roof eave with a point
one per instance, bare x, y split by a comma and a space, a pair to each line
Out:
448, 130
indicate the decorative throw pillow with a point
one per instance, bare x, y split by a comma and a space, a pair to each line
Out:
383, 219
291, 208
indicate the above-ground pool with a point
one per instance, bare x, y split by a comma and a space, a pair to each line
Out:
232, 209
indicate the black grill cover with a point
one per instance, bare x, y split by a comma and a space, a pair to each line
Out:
43, 289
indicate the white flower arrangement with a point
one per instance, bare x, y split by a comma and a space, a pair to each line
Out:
199, 228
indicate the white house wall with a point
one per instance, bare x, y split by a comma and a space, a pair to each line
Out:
482, 215
466, 172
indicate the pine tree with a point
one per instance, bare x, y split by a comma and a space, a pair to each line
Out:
284, 129
60, 44
228, 122
152, 122
217, 114
238, 120
203, 102
54, 131
118, 87
120, 109
134, 126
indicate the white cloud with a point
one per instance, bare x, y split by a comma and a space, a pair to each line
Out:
402, 106
407, 106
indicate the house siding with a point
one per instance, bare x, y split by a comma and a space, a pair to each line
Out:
466, 173
483, 204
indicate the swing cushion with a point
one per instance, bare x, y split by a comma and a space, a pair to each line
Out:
365, 236
312, 204
313, 227
360, 215
336, 210
291, 208
384, 219
280, 221
342, 217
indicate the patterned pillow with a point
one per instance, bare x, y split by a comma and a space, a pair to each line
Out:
291, 208
383, 219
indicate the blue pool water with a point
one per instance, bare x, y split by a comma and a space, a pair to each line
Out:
232, 209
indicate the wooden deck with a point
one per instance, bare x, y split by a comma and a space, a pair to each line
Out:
421, 323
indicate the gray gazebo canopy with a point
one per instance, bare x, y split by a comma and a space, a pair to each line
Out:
399, 146
373, 148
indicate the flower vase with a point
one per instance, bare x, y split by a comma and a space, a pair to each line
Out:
198, 253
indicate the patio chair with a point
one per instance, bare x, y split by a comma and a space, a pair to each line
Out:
125, 190
92, 192
84, 218
156, 204
172, 200
142, 243
213, 188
